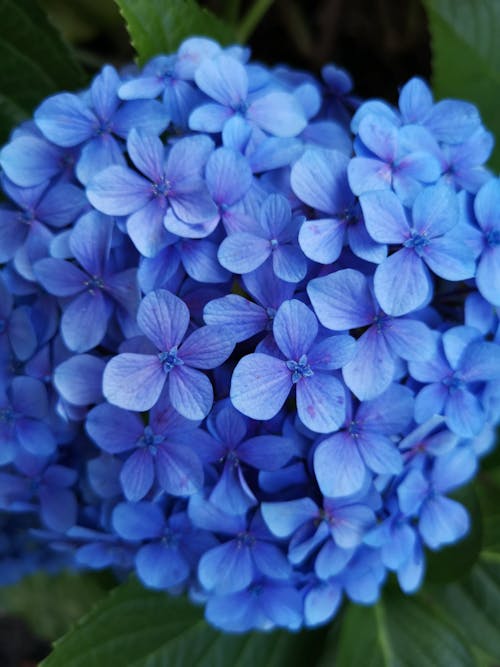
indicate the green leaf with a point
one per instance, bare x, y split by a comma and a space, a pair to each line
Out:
451, 563
474, 606
138, 627
400, 631
466, 57
35, 62
51, 603
159, 26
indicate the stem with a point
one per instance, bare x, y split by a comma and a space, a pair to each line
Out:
252, 18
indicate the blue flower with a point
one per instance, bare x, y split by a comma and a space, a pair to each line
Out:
431, 238
487, 210
275, 240
135, 381
261, 383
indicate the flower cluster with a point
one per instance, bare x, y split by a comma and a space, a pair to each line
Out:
249, 333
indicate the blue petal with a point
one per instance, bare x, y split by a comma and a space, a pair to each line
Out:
442, 521
163, 318
228, 176
133, 381
88, 307
190, 392
232, 493
321, 402
138, 521
79, 379
410, 339
137, 475
321, 603
240, 318
373, 367
65, 120
199, 258
380, 454
243, 252
161, 566
179, 470
342, 300
402, 282
295, 328
227, 568
289, 263
29, 160
339, 468
113, 429
223, 79
368, 175
322, 240
284, 518
278, 113
384, 217
118, 191
319, 179
260, 385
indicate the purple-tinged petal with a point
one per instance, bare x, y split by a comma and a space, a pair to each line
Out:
319, 179
275, 216
402, 282
138, 521
321, 402
442, 521
338, 466
350, 523
190, 392
119, 191
65, 120
79, 379
342, 300
59, 277
331, 353
368, 175
278, 113
373, 367
384, 217
89, 307
112, 429
188, 230
163, 318
295, 328
322, 240
243, 252
193, 203
260, 385
133, 381
207, 347
124, 289
137, 475
179, 470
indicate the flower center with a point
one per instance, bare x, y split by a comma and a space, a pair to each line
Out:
493, 237
161, 188
170, 359
300, 369
417, 242
93, 283
7, 415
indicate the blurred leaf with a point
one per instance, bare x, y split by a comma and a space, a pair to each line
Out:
474, 606
466, 57
35, 62
159, 26
451, 563
52, 603
138, 627
400, 631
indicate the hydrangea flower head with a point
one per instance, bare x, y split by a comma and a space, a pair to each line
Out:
249, 342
